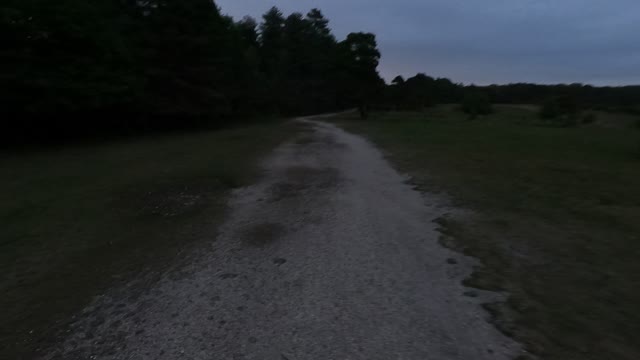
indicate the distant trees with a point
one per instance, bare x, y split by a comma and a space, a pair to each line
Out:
623, 98
130, 65
557, 101
421, 91
76, 67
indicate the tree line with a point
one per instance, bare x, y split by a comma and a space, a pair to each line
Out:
78, 67
422, 91
72, 68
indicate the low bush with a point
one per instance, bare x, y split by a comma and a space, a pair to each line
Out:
589, 118
476, 103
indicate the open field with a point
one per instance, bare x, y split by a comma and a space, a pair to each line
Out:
556, 220
76, 220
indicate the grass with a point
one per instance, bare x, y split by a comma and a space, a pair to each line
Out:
77, 220
557, 220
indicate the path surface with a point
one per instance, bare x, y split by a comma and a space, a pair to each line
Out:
331, 256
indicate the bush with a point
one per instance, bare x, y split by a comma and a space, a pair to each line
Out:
549, 109
476, 103
589, 118
561, 111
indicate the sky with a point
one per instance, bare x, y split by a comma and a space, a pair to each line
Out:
487, 41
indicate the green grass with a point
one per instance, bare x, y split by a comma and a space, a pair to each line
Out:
77, 220
557, 223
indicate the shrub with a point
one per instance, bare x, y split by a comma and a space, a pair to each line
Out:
589, 118
549, 109
568, 120
476, 103
561, 111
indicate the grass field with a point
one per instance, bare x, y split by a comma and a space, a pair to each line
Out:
77, 220
557, 218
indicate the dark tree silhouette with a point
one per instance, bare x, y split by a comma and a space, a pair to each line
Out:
77, 68
359, 61
101, 66
421, 90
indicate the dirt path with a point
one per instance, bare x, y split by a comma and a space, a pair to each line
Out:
331, 256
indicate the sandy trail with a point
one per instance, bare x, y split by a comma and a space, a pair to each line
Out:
331, 256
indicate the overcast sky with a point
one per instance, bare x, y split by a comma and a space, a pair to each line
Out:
487, 41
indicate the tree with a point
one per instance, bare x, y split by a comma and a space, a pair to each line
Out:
272, 55
272, 40
131, 65
188, 50
248, 29
320, 24
419, 92
359, 62
322, 79
398, 81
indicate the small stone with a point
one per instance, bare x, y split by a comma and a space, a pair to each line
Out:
279, 261
452, 261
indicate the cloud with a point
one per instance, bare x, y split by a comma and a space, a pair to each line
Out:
488, 41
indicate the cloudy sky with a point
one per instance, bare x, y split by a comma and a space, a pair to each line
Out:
488, 41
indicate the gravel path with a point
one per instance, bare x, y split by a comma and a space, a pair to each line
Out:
331, 256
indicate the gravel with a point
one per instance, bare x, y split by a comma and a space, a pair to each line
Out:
331, 256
